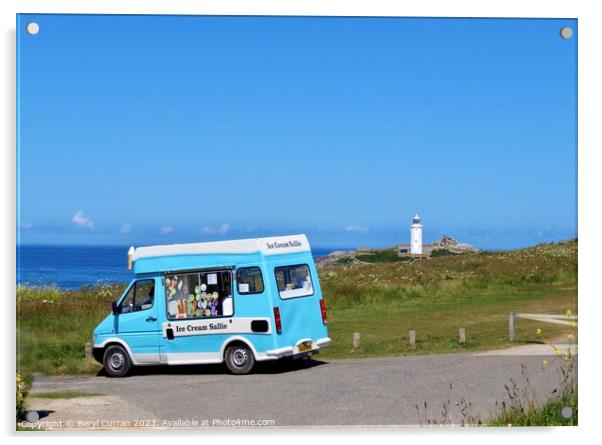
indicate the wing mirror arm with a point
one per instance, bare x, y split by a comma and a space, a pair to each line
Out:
115, 308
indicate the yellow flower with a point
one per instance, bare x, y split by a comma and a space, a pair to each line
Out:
538, 331
573, 324
545, 363
556, 351
570, 336
569, 312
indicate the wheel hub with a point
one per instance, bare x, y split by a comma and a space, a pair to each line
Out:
117, 361
240, 357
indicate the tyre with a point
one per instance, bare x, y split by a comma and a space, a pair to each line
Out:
239, 359
116, 361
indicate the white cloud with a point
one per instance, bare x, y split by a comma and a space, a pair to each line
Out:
208, 230
221, 230
125, 229
82, 220
224, 228
165, 230
355, 228
26, 225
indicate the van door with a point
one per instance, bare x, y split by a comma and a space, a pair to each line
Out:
299, 304
137, 322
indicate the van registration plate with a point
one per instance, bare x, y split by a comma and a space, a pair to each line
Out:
305, 346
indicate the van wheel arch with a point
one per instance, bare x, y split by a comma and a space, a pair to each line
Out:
117, 361
239, 357
235, 342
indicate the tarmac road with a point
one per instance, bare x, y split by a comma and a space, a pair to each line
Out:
379, 391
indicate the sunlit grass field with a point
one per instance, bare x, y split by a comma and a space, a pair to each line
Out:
437, 296
382, 301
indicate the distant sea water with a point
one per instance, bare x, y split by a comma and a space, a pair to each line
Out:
72, 267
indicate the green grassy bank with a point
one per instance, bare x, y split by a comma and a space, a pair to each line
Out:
437, 296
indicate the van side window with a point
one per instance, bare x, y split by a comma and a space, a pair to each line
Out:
294, 281
249, 280
199, 295
145, 295
140, 297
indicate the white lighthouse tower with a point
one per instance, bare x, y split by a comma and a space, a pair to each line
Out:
416, 236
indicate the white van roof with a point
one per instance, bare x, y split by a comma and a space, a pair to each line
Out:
268, 246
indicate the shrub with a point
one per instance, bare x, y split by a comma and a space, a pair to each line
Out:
20, 398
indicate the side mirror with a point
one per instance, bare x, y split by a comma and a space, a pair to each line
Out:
115, 308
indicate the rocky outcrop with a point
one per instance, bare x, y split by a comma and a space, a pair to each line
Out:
337, 257
450, 244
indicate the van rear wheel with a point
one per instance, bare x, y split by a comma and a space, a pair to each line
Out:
116, 361
239, 359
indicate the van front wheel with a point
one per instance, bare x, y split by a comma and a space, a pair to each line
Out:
239, 359
116, 361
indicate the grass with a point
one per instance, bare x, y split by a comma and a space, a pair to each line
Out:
383, 256
62, 394
382, 301
436, 296
54, 325
549, 414
520, 407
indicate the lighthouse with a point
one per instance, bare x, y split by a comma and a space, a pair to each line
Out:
416, 236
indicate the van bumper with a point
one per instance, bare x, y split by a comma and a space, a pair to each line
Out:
323, 342
290, 350
98, 354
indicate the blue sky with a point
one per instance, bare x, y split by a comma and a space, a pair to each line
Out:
162, 129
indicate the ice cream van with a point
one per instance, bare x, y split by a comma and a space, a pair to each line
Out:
234, 302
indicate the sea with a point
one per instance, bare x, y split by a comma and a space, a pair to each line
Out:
73, 267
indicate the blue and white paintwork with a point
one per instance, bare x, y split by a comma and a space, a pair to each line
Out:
143, 333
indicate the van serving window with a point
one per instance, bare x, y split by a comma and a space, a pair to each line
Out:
294, 281
249, 280
199, 295
140, 297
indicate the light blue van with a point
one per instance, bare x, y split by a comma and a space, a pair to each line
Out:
236, 302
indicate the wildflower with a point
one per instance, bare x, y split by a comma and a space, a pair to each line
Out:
538, 332
556, 351
545, 363
570, 337
573, 324
569, 313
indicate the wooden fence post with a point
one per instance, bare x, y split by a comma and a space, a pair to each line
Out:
88, 350
511, 327
356, 341
462, 336
412, 336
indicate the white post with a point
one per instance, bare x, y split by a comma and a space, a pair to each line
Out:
356, 341
412, 336
462, 336
511, 327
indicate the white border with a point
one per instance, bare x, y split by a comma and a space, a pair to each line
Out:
590, 73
